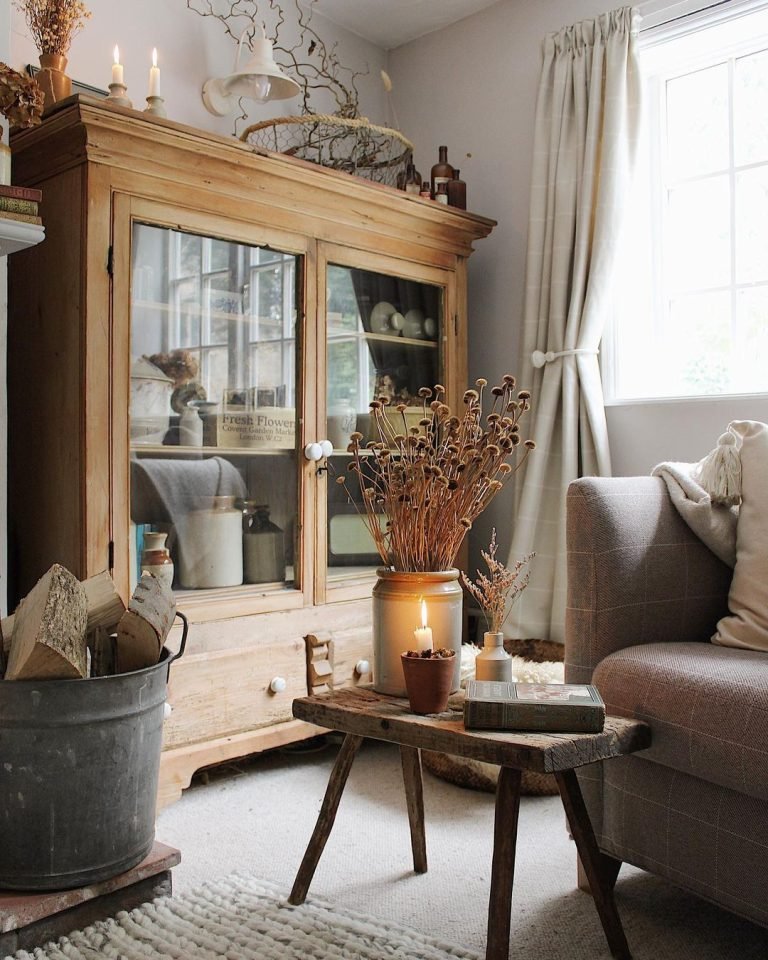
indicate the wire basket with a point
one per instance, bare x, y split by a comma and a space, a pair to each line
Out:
354, 146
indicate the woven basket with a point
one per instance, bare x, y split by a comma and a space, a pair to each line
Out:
477, 775
354, 146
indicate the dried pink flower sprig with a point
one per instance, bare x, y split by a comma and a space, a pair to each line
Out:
495, 594
431, 482
53, 23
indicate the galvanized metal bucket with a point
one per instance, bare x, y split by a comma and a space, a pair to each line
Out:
79, 765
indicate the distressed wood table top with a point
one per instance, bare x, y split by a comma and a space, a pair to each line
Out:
365, 713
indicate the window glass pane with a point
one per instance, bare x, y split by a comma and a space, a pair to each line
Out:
752, 225
697, 122
752, 340
751, 108
697, 347
698, 246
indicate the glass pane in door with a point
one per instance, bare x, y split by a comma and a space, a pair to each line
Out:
213, 412
383, 339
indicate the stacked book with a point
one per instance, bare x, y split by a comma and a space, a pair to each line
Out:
20, 203
547, 707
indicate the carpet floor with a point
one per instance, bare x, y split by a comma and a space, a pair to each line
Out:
253, 820
256, 818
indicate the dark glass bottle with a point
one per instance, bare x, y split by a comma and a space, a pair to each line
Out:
457, 192
426, 190
442, 171
412, 181
442, 193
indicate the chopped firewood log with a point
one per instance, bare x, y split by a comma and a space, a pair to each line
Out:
49, 630
144, 626
105, 605
102, 644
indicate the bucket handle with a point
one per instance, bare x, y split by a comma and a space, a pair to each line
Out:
183, 644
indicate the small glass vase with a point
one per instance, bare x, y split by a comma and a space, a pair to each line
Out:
52, 78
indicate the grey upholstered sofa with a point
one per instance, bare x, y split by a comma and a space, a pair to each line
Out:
644, 596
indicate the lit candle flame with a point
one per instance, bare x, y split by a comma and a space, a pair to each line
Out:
154, 56
423, 614
117, 54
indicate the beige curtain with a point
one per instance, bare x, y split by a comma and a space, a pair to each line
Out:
587, 118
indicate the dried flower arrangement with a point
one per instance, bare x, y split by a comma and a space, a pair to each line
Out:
432, 481
495, 594
21, 99
53, 23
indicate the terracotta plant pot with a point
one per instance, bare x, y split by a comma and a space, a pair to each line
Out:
428, 681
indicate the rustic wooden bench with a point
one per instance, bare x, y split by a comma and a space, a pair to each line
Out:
360, 713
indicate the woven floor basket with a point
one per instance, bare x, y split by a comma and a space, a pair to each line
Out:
476, 775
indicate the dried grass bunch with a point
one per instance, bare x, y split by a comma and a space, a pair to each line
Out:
53, 23
21, 99
432, 481
495, 594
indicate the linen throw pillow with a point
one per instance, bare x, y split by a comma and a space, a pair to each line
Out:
747, 625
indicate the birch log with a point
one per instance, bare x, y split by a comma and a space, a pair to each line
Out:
144, 626
105, 605
49, 630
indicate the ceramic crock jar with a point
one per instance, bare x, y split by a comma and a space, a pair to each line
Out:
397, 598
155, 558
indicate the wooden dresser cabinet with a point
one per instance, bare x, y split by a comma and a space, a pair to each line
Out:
198, 315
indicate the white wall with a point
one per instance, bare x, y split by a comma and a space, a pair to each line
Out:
472, 86
191, 49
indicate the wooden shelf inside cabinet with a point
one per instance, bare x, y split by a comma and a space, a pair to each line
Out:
153, 449
401, 341
17, 235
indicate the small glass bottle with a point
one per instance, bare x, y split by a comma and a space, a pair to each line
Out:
457, 192
412, 181
263, 549
442, 193
426, 190
493, 662
442, 171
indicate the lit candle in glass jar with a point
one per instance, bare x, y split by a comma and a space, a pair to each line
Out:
423, 634
154, 76
117, 67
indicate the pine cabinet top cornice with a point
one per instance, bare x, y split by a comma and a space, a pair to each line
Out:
313, 199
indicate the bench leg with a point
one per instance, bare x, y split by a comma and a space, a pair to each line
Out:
503, 868
599, 869
325, 818
410, 757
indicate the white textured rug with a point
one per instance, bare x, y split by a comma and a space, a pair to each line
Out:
240, 918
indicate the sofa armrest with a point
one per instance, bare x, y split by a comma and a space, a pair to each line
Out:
636, 572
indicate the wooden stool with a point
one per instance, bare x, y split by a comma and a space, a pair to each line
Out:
360, 712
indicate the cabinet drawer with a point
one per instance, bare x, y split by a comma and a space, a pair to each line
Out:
228, 692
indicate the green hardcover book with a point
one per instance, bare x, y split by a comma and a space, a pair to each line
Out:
547, 707
15, 205
21, 217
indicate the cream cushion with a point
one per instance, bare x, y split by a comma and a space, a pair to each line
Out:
747, 625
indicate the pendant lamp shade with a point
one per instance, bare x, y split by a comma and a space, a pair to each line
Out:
260, 79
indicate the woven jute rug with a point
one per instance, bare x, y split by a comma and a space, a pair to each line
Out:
241, 918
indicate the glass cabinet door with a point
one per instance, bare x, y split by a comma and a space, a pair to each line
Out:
213, 402
383, 339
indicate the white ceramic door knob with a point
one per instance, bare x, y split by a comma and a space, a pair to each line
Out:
277, 685
362, 667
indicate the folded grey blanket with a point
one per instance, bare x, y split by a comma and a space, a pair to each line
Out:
713, 523
163, 491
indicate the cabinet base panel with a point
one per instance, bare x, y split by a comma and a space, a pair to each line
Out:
177, 766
